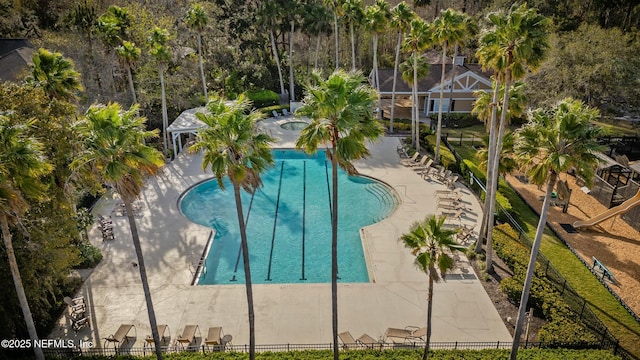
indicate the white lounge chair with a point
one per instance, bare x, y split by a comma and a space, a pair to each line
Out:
410, 160
424, 167
275, 113
285, 112
347, 340
408, 334
188, 336
121, 336
420, 163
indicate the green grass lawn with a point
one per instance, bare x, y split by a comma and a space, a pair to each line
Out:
621, 324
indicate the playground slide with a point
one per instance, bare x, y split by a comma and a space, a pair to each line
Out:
620, 209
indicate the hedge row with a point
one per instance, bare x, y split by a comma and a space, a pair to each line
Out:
563, 324
523, 354
263, 98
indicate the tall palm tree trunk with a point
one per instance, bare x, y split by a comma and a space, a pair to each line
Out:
291, 84
334, 246
17, 282
204, 82
376, 81
488, 186
453, 76
247, 271
395, 79
429, 313
335, 32
315, 61
277, 58
532, 262
416, 116
495, 164
143, 275
353, 46
165, 118
436, 158
131, 87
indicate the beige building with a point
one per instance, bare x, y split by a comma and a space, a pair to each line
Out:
466, 79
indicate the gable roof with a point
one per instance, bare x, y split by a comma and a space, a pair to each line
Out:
431, 82
15, 57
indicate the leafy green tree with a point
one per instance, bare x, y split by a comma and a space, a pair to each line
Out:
516, 43
431, 242
450, 29
417, 40
233, 147
197, 20
401, 16
353, 16
114, 152
55, 74
22, 164
341, 113
592, 64
376, 20
129, 54
162, 54
552, 142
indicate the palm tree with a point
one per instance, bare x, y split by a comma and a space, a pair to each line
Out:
338, 11
482, 108
160, 51
22, 164
268, 13
353, 15
451, 28
113, 152
233, 147
431, 242
401, 16
376, 20
516, 44
197, 20
553, 141
317, 21
55, 74
417, 39
114, 25
129, 53
292, 9
341, 109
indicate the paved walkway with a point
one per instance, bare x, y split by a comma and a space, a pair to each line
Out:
285, 313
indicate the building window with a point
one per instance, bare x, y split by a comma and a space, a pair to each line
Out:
435, 105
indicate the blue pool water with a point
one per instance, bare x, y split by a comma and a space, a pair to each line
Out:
289, 223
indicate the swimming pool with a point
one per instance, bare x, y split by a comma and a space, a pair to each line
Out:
289, 223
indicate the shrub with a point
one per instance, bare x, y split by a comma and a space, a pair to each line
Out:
459, 120
565, 330
263, 98
269, 109
90, 255
512, 287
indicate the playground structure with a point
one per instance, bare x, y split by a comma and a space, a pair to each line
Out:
617, 210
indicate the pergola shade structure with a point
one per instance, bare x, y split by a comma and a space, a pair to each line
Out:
185, 123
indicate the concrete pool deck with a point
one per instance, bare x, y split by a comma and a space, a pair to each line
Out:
285, 313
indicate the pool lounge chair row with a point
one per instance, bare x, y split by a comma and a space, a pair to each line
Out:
276, 114
184, 340
425, 168
409, 334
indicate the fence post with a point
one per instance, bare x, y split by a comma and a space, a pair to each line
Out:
498, 345
460, 138
564, 284
455, 346
584, 303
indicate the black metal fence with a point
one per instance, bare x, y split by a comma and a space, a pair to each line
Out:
580, 307
452, 345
